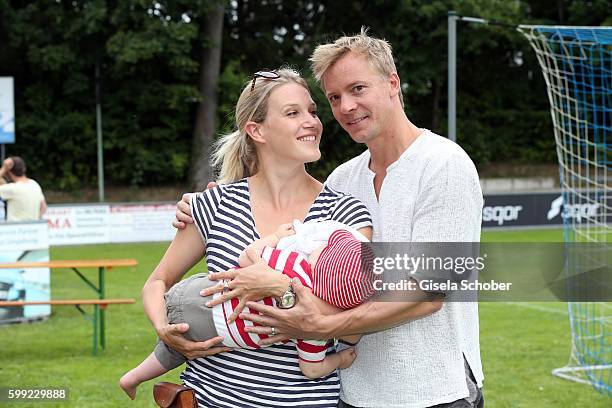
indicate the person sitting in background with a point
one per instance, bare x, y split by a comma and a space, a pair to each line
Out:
24, 197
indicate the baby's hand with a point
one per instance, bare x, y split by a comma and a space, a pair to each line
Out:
250, 254
347, 356
258, 246
284, 230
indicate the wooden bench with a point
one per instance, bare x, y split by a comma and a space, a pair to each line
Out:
99, 305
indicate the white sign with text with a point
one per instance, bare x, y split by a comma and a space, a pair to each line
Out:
78, 224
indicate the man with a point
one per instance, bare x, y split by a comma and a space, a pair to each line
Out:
419, 187
24, 197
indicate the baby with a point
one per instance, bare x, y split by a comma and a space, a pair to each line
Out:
326, 256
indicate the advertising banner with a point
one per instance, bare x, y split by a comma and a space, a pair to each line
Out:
540, 209
104, 223
141, 222
78, 224
24, 242
7, 111
152, 222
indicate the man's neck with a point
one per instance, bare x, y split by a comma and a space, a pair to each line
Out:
21, 179
392, 143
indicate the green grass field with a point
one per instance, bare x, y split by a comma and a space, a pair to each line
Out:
520, 342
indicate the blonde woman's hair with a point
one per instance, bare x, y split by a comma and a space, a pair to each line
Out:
235, 153
377, 52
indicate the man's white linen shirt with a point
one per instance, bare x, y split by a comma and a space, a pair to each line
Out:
430, 194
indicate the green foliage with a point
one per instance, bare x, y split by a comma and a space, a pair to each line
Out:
231, 83
147, 82
148, 54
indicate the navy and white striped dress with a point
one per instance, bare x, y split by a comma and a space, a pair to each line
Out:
269, 376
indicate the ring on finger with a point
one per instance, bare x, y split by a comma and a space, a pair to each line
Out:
273, 333
226, 286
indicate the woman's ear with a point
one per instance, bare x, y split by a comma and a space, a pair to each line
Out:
253, 129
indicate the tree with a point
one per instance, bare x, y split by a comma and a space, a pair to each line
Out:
164, 73
211, 34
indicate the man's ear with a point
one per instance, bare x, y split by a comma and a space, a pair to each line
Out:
394, 85
253, 130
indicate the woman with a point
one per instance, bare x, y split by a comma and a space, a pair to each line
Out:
265, 185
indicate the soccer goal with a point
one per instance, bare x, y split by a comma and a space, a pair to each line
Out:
577, 67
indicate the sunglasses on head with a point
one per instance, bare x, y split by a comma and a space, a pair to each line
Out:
271, 75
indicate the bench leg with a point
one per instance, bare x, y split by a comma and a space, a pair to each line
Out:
96, 313
102, 311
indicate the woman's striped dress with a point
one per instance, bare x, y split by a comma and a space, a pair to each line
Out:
269, 376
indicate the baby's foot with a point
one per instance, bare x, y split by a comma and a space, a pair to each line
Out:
129, 383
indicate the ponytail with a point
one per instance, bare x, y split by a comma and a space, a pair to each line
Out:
235, 154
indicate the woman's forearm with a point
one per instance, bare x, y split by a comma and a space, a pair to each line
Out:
154, 303
185, 251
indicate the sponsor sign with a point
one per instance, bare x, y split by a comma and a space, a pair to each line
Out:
7, 111
104, 223
542, 209
146, 222
141, 222
78, 224
24, 242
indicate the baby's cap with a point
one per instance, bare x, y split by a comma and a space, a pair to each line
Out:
343, 275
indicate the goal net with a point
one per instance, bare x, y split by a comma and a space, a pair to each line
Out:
577, 67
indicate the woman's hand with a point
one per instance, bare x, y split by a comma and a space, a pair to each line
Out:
306, 320
172, 336
251, 283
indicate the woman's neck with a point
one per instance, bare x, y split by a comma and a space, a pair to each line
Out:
284, 188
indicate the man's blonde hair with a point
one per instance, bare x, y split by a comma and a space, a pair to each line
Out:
377, 51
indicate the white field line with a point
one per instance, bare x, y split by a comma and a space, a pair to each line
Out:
538, 307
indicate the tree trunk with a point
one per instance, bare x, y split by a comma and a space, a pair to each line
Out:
211, 35
560, 12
